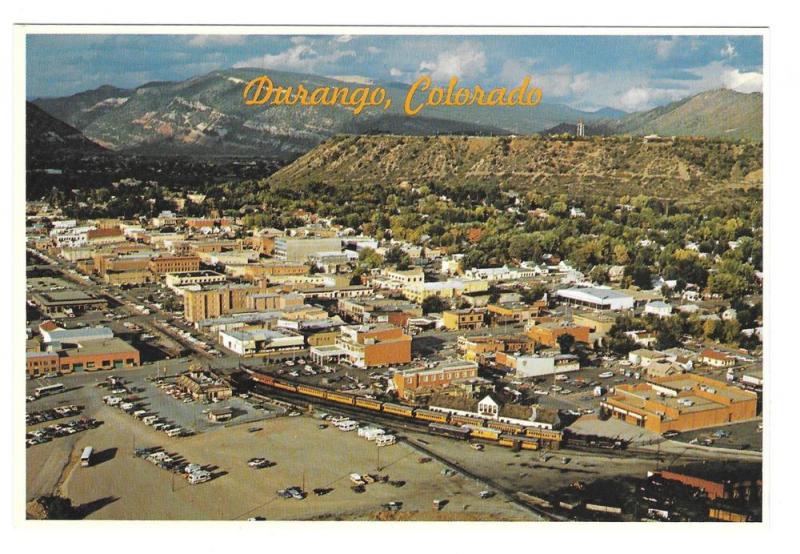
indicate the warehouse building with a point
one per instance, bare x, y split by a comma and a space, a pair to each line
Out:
680, 403
597, 298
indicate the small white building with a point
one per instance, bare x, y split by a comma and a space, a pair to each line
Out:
658, 308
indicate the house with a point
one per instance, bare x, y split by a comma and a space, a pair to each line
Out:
658, 308
716, 359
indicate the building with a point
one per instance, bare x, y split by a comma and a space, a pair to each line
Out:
658, 308
547, 333
645, 357
39, 364
599, 323
204, 385
511, 312
298, 249
492, 408
270, 301
716, 359
597, 298
434, 375
374, 345
378, 310
680, 403
174, 264
737, 481
255, 342
538, 365
221, 415
216, 300
404, 277
95, 355
463, 320
447, 290
175, 281
67, 302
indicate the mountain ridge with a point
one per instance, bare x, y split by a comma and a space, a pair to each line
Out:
204, 115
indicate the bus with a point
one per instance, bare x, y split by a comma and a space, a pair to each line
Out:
86, 457
49, 389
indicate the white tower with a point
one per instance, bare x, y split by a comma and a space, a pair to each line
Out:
581, 129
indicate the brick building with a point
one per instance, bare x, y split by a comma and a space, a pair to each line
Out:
681, 403
374, 345
174, 264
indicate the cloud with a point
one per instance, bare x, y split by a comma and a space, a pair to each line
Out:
728, 51
720, 75
301, 57
665, 47
465, 61
394, 72
643, 98
374, 50
202, 41
344, 38
743, 81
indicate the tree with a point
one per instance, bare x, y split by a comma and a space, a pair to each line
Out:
712, 328
433, 304
565, 342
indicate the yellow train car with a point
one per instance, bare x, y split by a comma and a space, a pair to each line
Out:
311, 391
465, 420
398, 409
340, 398
284, 385
505, 440
430, 415
546, 434
506, 427
528, 444
368, 403
483, 433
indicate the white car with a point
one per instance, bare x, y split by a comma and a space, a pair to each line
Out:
606, 375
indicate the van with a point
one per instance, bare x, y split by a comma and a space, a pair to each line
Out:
174, 432
347, 426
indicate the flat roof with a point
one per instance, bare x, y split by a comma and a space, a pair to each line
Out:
106, 346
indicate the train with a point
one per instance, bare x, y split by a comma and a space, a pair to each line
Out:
440, 423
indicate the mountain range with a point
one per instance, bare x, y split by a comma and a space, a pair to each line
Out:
206, 116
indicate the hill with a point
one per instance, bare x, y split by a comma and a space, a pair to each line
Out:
714, 113
48, 137
205, 115
612, 165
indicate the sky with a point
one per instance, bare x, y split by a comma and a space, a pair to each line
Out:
629, 72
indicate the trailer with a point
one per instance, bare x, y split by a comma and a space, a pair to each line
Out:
86, 456
385, 440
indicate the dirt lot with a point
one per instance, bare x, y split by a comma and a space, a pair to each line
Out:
121, 486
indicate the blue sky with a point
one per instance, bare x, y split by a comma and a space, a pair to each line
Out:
586, 72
